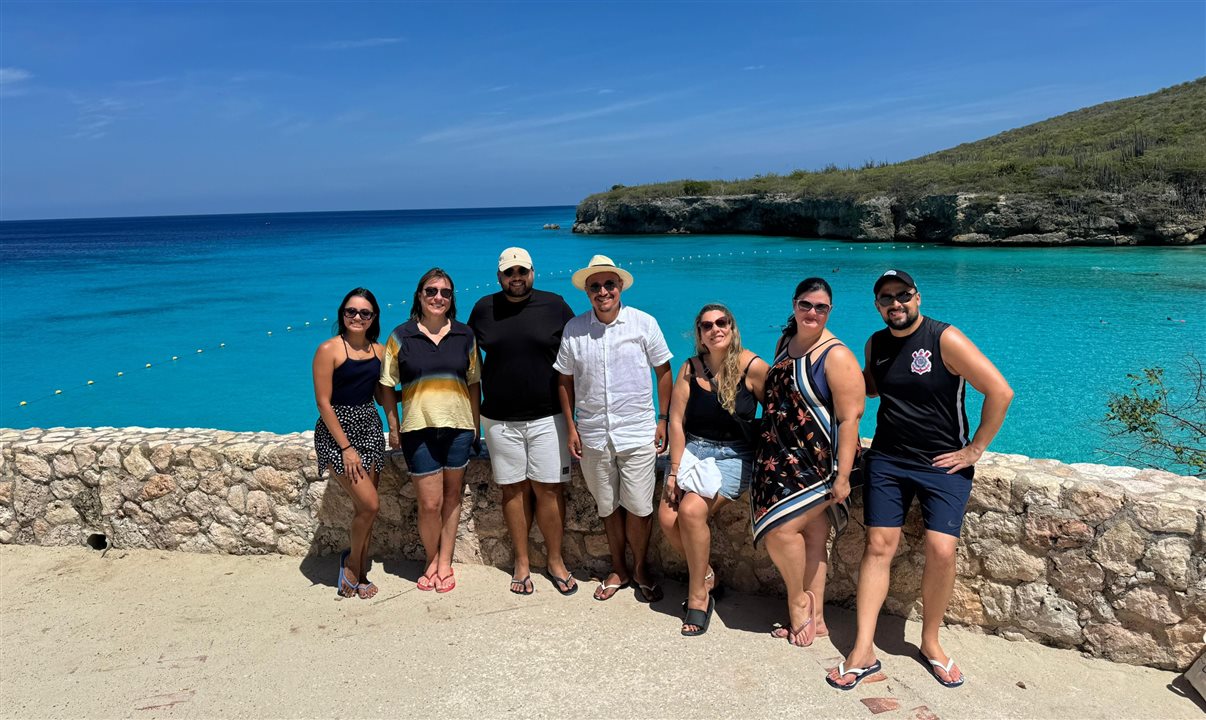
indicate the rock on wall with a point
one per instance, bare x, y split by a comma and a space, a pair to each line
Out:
1108, 560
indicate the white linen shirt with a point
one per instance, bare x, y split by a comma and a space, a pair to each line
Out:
613, 389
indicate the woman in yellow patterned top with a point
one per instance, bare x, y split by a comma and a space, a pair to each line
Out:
434, 360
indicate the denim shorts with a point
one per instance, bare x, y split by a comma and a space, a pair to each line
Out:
735, 460
433, 449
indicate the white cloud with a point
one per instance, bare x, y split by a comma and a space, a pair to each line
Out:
472, 131
95, 117
754, 67
357, 44
498, 88
11, 75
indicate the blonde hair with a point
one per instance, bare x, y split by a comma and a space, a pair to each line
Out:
725, 382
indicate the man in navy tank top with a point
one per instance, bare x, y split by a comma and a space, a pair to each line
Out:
918, 367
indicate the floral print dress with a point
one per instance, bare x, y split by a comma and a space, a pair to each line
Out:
793, 466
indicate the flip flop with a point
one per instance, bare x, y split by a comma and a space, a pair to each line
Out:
699, 618
440, 582
425, 583
559, 583
367, 590
858, 673
346, 589
525, 584
649, 593
946, 668
807, 627
607, 592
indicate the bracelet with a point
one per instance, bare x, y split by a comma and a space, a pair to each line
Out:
345, 449
663, 416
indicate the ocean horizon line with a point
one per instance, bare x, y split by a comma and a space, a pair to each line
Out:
185, 216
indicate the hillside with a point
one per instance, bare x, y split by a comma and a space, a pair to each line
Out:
1137, 166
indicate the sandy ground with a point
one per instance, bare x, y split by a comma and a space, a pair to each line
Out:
159, 634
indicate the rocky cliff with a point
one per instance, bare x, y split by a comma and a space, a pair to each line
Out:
1091, 218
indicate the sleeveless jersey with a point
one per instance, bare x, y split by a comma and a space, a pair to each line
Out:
921, 412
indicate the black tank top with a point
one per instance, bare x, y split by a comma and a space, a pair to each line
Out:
354, 381
921, 413
706, 418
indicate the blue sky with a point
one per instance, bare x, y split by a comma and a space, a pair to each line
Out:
172, 108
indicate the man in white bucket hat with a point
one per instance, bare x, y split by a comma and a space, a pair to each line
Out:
604, 361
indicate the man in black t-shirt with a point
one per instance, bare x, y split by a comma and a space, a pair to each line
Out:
519, 329
918, 367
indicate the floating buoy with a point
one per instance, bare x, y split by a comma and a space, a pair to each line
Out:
221, 345
22, 404
175, 357
269, 332
324, 320
89, 382
308, 325
120, 373
148, 364
199, 351
289, 328
58, 392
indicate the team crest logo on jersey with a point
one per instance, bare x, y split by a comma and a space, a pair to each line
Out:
921, 362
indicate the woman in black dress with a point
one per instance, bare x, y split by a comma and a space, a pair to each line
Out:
348, 437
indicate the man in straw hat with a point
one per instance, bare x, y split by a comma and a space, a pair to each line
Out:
519, 329
604, 361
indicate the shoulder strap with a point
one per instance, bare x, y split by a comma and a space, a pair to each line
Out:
346, 356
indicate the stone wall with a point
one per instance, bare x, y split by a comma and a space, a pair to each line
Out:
1108, 560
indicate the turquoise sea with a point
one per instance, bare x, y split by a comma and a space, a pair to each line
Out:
85, 300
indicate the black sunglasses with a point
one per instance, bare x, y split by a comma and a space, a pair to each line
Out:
707, 325
608, 286
821, 308
520, 271
886, 299
443, 292
351, 313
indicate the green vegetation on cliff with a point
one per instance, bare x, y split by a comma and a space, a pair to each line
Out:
1154, 142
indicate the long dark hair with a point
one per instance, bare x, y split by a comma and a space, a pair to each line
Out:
806, 285
374, 330
416, 307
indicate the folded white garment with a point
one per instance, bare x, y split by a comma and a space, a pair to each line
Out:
701, 477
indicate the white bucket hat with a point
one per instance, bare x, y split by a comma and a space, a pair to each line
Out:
600, 264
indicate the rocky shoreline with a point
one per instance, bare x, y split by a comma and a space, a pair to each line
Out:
1092, 218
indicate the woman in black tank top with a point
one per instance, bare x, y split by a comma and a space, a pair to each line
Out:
348, 436
712, 419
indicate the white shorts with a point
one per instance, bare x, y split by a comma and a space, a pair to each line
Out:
620, 478
528, 449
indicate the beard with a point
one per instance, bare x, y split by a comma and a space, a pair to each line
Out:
517, 292
900, 323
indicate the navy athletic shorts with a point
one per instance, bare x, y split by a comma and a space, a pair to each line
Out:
893, 482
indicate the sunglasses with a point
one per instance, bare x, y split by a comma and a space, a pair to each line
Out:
520, 271
707, 325
608, 286
351, 313
903, 298
821, 308
431, 292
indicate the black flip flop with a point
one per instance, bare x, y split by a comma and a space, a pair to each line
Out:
525, 583
558, 582
699, 618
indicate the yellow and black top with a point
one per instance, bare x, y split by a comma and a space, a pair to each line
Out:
435, 379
